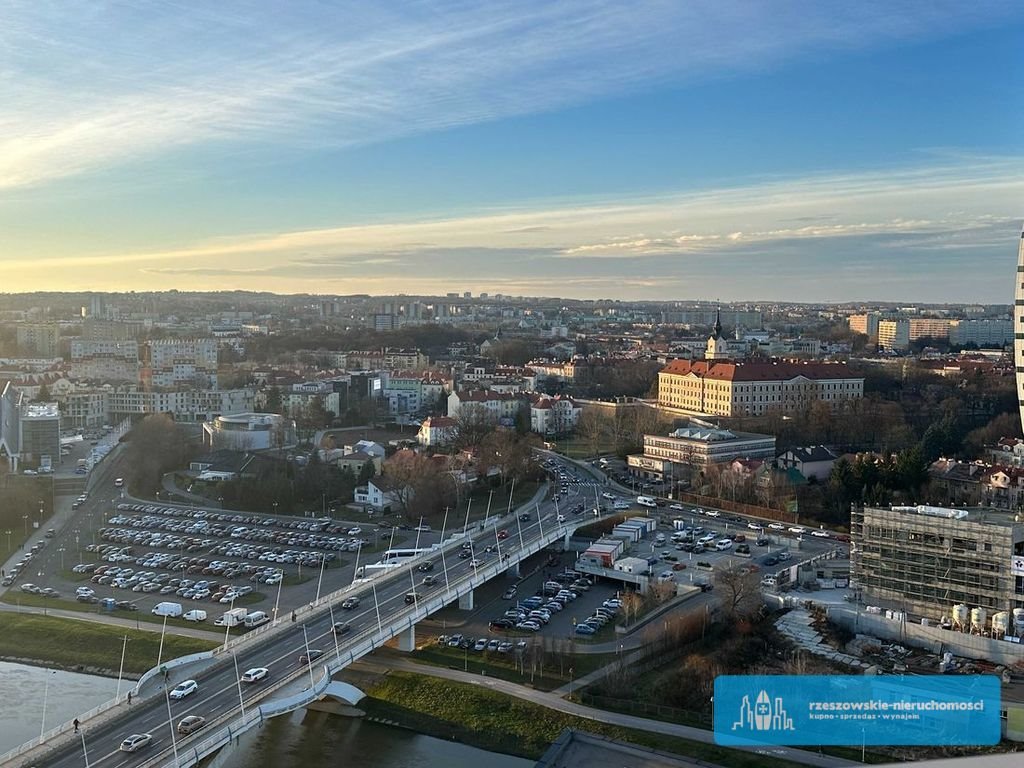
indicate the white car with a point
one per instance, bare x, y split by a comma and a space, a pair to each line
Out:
677, 507
776, 526
609, 496
354, 531
136, 742
797, 529
184, 689
255, 674
821, 534
755, 526
560, 519
474, 563
713, 513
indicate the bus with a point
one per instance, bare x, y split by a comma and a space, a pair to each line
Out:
400, 556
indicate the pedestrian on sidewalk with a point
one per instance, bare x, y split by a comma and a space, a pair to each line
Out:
129, 698
76, 725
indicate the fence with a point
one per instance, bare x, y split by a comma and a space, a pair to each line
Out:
740, 508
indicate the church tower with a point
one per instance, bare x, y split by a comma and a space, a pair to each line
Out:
718, 344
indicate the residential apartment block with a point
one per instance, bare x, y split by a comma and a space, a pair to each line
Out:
894, 335
991, 332
38, 339
866, 323
168, 363
105, 361
929, 328
727, 388
925, 560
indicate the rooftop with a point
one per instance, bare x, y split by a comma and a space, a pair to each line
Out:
40, 411
986, 515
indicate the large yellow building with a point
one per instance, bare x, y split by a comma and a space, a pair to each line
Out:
727, 388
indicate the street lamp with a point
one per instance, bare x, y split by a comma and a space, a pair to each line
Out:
61, 550
24, 519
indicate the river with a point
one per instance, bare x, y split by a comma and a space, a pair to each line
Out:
299, 740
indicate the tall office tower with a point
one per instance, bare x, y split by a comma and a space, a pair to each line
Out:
1018, 326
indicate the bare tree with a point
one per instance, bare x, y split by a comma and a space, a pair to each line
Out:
472, 424
739, 591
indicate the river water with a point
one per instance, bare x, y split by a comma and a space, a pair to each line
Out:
299, 740
24, 689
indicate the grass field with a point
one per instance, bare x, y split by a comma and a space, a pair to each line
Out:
500, 723
85, 645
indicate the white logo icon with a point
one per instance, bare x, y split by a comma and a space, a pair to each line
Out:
764, 715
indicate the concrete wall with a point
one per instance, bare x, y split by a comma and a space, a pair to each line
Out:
932, 638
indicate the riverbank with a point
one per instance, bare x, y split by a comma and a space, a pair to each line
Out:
85, 646
498, 723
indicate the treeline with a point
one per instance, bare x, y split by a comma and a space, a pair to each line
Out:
156, 445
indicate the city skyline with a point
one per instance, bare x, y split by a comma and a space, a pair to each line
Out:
794, 153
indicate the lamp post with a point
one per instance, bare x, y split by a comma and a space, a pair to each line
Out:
9, 532
238, 681
46, 691
170, 724
320, 579
61, 550
24, 519
277, 600
160, 652
120, 671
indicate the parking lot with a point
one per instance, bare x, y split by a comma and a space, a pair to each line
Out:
142, 554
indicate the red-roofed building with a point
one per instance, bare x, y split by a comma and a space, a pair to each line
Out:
731, 388
437, 430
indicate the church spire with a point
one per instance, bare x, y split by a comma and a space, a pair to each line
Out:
717, 331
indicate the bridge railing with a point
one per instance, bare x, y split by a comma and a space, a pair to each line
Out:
400, 621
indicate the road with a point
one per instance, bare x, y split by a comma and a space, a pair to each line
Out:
220, 692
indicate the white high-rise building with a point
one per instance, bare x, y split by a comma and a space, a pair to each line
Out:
1018, 326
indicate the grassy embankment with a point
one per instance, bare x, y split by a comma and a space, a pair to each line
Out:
549, 671
500, 723
87, 646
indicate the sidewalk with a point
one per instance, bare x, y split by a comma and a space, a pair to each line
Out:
114, 621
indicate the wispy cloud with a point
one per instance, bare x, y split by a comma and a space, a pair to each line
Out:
87, 85
867, 229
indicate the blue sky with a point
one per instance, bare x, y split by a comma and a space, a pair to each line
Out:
657, 150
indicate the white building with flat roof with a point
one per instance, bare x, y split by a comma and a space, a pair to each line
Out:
249, 432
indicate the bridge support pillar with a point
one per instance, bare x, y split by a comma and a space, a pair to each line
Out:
513, 571
407, 640
466, 601
565, 540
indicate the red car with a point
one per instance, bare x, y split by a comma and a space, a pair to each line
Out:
503, 534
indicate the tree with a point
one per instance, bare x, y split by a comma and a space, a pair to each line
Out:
472, 424
739, 590
44, 394
156, 445
272, 402
366, 472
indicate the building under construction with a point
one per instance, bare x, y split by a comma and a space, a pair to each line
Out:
925, 560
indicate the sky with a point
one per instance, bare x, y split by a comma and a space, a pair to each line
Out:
655, 150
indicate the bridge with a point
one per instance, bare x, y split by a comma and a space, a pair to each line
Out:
231, 708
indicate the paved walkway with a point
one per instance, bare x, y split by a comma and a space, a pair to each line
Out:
556, 702
115, 621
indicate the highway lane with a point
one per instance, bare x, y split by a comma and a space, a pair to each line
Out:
219, 692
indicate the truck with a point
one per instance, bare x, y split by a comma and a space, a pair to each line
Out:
173, 610
232, 618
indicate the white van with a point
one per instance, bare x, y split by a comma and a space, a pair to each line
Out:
167, 609
646, 501
256, 618
195, 615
